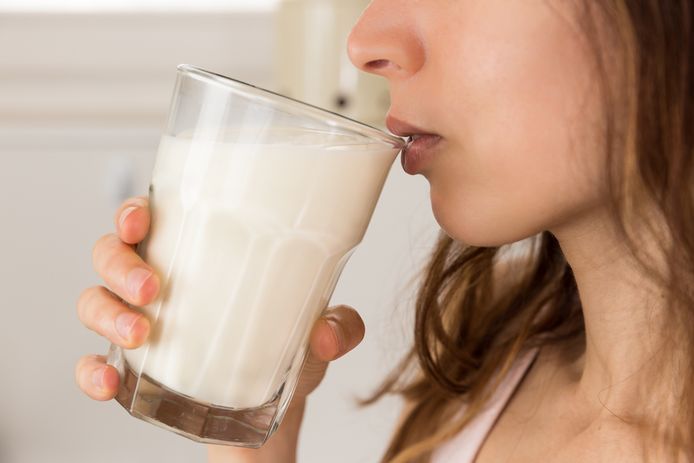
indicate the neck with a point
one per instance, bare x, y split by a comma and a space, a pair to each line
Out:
623, 312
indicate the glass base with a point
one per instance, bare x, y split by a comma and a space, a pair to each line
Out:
148, 400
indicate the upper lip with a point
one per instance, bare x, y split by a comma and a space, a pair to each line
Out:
405, 129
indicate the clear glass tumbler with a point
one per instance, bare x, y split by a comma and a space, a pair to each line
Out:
257, 203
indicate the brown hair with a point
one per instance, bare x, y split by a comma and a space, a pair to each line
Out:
469, 329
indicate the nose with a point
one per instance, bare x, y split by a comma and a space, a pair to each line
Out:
384, 41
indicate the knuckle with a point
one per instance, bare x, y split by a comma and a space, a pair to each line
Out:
84, 301
98, 244
101, 248
108, 265
98, 320
79, 365
104, 241
93, 309
314, 365
114, 263
80, 369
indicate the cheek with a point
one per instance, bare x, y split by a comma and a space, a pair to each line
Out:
523, 158
528, 166
508, 195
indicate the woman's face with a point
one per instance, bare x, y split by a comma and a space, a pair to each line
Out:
509, 87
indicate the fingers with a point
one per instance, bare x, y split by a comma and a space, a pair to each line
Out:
132, 219
103, 312
124, 271
97, 379
336, 332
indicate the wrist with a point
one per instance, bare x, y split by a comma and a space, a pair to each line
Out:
279, 448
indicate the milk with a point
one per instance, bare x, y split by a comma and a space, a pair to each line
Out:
248, 241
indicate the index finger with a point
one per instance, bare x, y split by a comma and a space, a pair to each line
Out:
132, 219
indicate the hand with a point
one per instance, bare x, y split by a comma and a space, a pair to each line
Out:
130, 279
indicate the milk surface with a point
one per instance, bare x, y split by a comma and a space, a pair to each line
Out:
248, 241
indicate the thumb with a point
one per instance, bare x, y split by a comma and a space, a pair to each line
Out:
334, 334
339, 330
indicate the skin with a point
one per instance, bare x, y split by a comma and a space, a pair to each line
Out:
510, 88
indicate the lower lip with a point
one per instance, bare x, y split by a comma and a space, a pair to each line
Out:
419, 153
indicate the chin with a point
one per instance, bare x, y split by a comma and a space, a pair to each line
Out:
477, 237
480, 227
467, 228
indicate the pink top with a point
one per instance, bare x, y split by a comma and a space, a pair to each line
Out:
463, 448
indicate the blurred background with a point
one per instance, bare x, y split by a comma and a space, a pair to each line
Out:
84, 91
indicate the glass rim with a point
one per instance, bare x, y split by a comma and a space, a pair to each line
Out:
331, 118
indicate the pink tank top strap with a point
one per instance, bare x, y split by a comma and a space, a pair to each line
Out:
463, 448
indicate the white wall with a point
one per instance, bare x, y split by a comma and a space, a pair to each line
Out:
82, 101
118, 68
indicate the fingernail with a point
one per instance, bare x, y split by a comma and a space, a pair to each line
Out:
125, 323
98, 378
124, 215
136, 278
338, 332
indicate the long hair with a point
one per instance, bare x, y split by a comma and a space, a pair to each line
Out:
469, 329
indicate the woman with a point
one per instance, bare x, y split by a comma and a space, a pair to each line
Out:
561, 131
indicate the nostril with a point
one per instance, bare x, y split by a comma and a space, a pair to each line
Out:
377, 64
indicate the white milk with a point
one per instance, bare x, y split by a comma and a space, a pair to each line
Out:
248, 241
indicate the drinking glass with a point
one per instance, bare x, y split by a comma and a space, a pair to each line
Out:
257, 202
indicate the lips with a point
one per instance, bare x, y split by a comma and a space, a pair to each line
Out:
404, 129
419, 151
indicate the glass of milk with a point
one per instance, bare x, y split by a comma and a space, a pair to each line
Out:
257, 203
